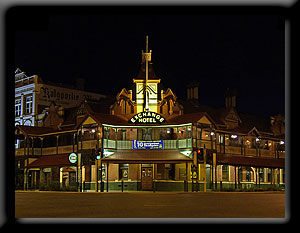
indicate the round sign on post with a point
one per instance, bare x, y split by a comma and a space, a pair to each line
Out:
73, 158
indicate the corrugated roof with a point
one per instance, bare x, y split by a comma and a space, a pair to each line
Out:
51, 160
147, 156
250, 161
35, 130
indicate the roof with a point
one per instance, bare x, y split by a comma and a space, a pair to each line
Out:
193, 109
251, 121
147, 156
102, 118
189, 118
250, 161
35, 130
51, 160
142, 72
94, 108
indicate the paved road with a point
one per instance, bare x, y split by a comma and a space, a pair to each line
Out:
149, 205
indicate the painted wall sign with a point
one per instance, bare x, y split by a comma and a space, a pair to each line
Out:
147, 118
149, 144
73, 158
64, 96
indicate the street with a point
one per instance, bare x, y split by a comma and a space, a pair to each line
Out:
149, 205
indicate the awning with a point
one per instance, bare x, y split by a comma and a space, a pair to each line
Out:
147, 156
51, 160
250, 161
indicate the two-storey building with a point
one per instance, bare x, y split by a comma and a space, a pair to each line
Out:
149, 140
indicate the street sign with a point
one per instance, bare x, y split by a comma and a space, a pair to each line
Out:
73, 158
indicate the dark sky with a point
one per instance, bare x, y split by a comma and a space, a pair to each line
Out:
222, 49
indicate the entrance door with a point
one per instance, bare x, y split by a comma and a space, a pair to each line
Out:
147, 178
208, 176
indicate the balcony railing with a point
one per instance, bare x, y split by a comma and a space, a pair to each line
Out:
167, 144
127, 145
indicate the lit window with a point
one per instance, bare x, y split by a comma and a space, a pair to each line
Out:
29, 104
17, 107
123, 171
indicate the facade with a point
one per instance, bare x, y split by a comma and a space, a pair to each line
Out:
33, 95
149, 140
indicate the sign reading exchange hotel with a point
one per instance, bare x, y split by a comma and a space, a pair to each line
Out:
147, 118
147, 144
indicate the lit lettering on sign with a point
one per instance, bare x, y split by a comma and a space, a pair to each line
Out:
147, 117
147, 144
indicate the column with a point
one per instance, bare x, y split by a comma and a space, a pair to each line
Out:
107, 163
34, 113
57, 138
41, 139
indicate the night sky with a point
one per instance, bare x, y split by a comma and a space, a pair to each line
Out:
222, 48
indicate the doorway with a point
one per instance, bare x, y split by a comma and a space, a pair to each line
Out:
147, 178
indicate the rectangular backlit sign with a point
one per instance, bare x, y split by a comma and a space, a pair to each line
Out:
147, 144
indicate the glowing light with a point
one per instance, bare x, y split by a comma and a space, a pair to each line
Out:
233, 136
281, 142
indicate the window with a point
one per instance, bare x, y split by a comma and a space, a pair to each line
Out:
235, 140
28, 104
124, 106
123, 171
189, 131
225, 173
17, 107
261, 174
123, 134
283, 176
248, 174
269, 176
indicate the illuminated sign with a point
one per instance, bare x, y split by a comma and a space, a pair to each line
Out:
147, 144
73, 158
147, 118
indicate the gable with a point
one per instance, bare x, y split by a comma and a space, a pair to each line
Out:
232, 116
204, 120
89, 121
254, 132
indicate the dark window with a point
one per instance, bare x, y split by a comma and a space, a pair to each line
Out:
225, 173
248, 174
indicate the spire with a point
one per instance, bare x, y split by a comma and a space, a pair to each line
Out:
147, 55
147, 58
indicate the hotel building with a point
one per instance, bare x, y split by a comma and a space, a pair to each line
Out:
147, 139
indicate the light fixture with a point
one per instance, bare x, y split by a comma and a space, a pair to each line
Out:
212, 133
270, 144
233, 136
281, 142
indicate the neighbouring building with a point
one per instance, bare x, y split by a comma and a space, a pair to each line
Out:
147, 139
33, 96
